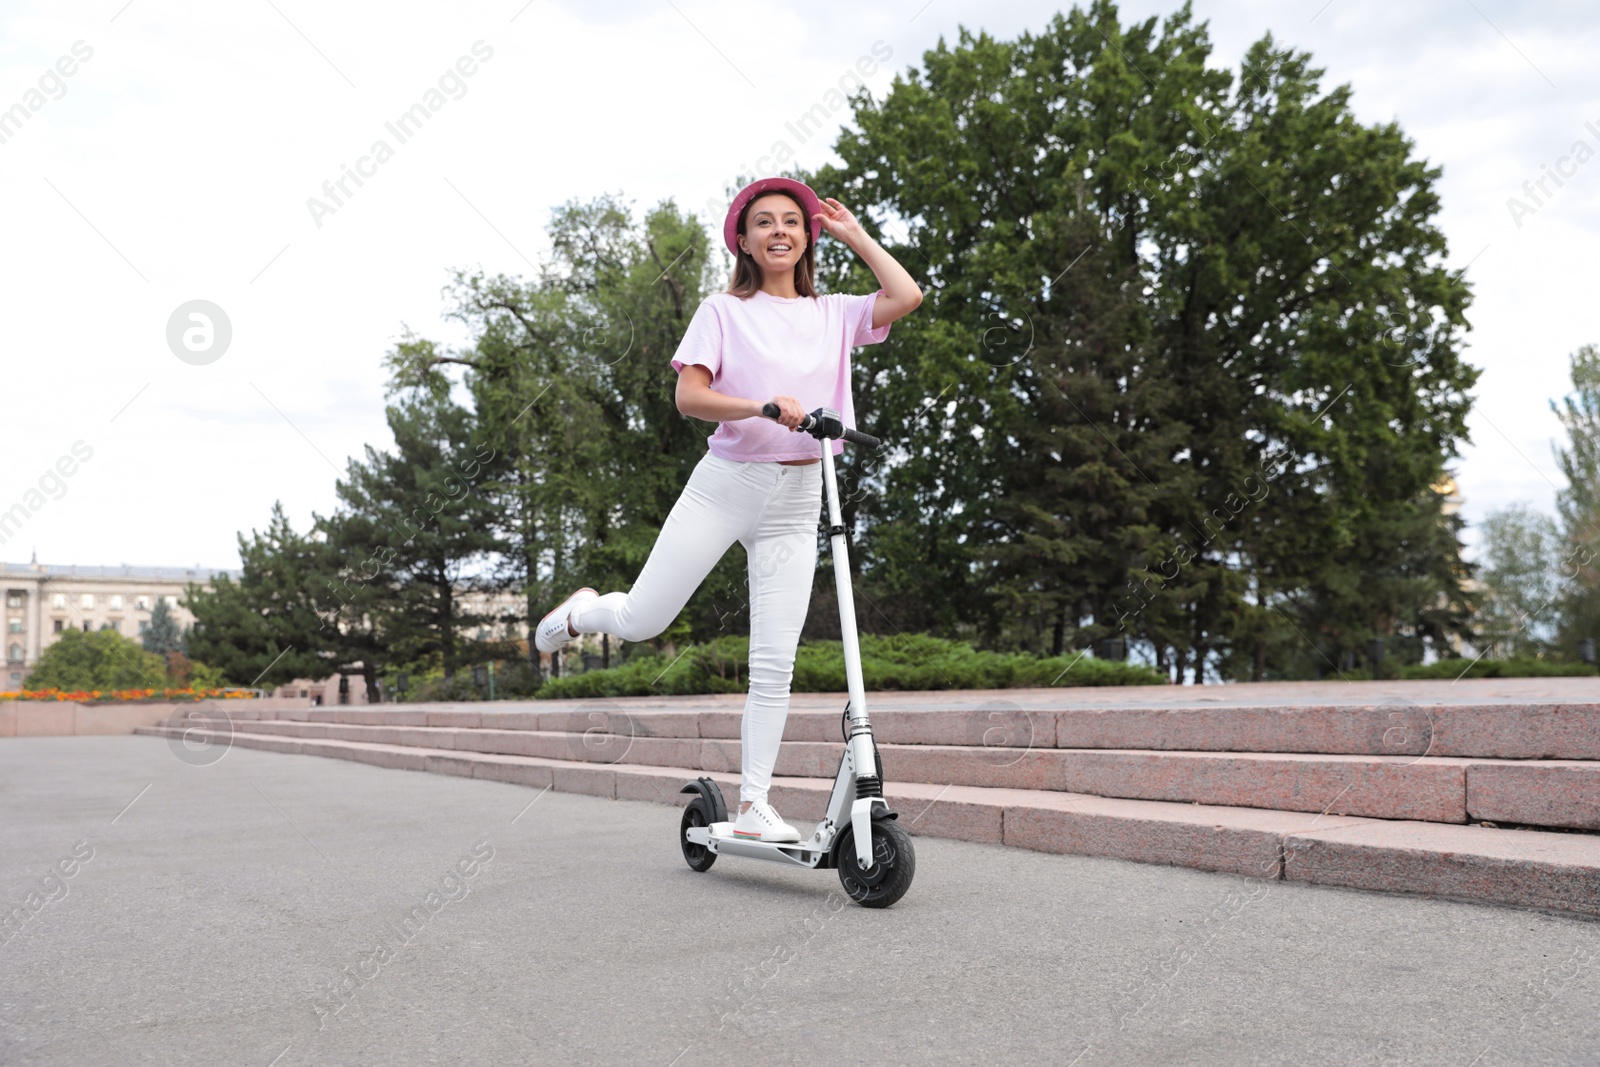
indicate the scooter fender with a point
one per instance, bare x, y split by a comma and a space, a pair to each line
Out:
712, 794
862, 813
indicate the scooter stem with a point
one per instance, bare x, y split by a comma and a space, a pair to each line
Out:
862, 755
865, 760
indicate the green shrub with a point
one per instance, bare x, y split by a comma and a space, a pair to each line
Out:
901, 661
722, 666
514, 679
101, 659
434, 686
1498, 668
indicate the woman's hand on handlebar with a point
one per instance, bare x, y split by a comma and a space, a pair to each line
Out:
791, 414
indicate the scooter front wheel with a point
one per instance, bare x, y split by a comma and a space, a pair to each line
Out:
894, 863
699, 857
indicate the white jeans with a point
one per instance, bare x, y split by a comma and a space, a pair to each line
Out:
770, 508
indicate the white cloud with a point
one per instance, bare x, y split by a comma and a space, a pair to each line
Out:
178, 162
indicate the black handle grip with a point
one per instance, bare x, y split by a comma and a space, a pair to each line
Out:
865, 440
855, 437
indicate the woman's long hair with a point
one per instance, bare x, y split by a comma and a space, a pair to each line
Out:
747, 276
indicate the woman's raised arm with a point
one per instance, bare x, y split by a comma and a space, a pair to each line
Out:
901, 294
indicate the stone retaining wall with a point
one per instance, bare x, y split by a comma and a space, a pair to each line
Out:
65, 718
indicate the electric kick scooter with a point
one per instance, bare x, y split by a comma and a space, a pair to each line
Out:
858, 837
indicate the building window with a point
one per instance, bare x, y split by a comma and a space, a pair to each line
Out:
60, 625
86, 600
142, 603
85, 625
59, 601
16, 677
13, 599
16, 626
15, 653
111, 624
172, 601
144, 624
116, 601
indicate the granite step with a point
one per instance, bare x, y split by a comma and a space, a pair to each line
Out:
1549, 731
1557, 872
1430, 789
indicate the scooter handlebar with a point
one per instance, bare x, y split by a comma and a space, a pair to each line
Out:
817, 425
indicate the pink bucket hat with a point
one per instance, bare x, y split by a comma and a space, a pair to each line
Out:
809, 203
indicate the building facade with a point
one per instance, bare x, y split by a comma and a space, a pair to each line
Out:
43, 600
315, 692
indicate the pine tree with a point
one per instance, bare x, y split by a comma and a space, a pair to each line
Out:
411, 537
1230, 368
268, 627
1579, 503
1521, 548
162, 635
571, 387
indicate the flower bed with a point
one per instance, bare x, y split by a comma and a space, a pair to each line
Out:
128, 696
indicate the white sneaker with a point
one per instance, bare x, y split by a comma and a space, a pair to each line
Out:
552, 632
761, 823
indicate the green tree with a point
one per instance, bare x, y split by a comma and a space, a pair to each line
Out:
414, 531
1192, 361
1521, 553
103, 659
267, 628
1579, 412
571, 390
162, 635
1579, 502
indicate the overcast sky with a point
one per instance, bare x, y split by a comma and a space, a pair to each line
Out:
175, 161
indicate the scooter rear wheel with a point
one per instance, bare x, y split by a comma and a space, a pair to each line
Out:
698, 857
894, 863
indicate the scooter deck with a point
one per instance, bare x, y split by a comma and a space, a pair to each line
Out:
720, 838
725, 830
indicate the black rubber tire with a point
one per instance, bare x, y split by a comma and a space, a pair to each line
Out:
894, 865
698, 857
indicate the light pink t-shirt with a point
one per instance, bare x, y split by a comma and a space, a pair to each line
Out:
766, 346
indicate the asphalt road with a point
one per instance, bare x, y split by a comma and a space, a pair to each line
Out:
276, 910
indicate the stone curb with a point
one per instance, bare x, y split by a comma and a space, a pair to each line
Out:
1548, 731
1427, 789
1535, 869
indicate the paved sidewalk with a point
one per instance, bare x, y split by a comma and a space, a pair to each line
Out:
213, 912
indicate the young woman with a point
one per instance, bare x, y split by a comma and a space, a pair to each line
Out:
769, 338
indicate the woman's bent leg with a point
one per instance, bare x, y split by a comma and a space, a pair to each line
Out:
783, 558
714, 510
